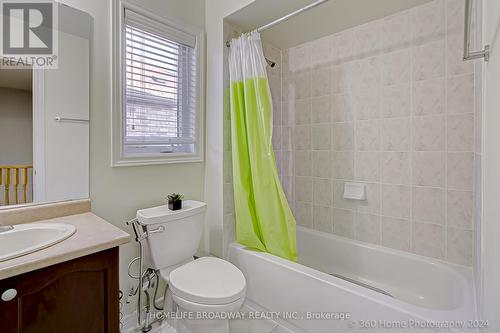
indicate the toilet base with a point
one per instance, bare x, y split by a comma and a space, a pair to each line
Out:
199, 318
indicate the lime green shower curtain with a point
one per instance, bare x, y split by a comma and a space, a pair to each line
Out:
264, 220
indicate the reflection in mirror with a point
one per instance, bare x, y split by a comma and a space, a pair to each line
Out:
44, 121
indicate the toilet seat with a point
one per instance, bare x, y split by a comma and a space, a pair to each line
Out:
209, 281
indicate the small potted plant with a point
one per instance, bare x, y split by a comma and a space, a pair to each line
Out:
175, 201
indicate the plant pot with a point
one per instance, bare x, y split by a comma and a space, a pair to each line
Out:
175, 205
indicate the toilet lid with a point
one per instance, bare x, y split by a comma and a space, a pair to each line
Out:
209, 281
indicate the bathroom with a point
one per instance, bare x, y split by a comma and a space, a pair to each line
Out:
384, 169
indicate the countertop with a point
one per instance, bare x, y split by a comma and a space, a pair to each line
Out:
93, 234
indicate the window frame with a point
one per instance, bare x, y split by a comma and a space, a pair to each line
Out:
118, 157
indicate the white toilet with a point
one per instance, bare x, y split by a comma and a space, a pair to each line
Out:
202, 291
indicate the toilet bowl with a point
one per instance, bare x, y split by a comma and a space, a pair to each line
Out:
204, 292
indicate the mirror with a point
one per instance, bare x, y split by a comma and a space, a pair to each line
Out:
44, 118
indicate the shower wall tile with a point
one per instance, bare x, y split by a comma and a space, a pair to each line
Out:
342, 46
461, 132
428, 22
455, 11
321, 137
396, 168
396, 201
342, 78
322, 54
366, 39
322, 219
390, 104
341, 108
396, 233
429, 60
302, 137
429, 97
395, 101
372, 202
367, 166
321, 109
429, 240
459, 209
454, 54
428, 205
460, 244
321, 82
343, 165
429, 169
304, 214
395, 134
429, 133
304, 192
303, 163
368, 135
396, 33
343, 222
322, 162
322, 192
343, 136
460, 171
302, 112
460, 94
396, 68
366, 104
367, 228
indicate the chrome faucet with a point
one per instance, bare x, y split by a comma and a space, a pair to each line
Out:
5, 228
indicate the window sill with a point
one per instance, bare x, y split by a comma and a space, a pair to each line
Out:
153, 160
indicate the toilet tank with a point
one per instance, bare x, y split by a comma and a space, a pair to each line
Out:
173, 236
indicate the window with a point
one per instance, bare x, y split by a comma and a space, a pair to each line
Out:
158, 108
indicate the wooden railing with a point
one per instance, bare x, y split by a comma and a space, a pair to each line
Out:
14, 178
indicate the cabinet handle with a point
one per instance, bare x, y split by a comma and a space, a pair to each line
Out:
9, 295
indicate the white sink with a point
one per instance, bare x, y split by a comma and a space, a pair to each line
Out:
22, 239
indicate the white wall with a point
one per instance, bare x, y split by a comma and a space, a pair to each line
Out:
16, 126
62, 148
117, 193
491, 175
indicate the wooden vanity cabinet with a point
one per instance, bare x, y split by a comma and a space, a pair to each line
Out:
77, 296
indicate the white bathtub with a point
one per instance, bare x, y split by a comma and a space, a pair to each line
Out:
424, 291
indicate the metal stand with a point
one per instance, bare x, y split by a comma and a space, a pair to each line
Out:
141, 235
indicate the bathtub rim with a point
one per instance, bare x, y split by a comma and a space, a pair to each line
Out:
468, 310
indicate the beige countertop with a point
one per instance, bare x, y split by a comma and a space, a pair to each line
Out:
92, 235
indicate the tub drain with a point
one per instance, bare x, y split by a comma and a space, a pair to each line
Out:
381, 291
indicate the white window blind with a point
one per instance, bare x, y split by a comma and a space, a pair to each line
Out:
160, 102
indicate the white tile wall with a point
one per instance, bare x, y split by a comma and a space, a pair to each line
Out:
389, 103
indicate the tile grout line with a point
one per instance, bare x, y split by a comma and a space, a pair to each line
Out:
446, 132
412, 136
380, 124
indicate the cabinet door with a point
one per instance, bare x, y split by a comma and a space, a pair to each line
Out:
78, 296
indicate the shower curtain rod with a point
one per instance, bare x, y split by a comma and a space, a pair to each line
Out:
284, 18
292, 14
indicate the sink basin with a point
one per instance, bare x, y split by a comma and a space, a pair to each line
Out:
22, 239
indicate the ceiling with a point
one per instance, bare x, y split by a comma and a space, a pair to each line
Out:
16, 79
326, 19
